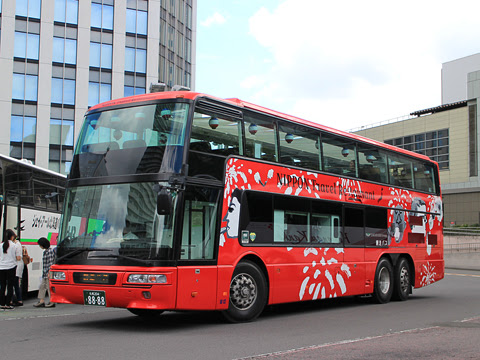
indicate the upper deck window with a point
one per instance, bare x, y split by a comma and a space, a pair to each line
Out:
299, 146
339, 155
133, 140
214, 137
260, 137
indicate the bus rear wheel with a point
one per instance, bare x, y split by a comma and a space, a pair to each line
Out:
383, 286
402, 284
146, 313
248, 293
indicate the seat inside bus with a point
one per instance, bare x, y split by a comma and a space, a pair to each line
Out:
100, 147
130, 144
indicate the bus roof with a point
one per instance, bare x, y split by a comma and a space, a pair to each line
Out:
190, 95
31, 166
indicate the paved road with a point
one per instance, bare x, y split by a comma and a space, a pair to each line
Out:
441, 321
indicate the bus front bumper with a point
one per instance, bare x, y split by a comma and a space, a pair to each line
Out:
155, 297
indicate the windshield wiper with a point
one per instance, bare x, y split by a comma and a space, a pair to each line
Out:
117, 256
78, 251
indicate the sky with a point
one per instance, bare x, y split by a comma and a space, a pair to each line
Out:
343, 64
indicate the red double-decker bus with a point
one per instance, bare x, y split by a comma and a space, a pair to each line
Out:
180, 200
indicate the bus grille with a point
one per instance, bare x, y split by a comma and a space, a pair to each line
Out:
94, 278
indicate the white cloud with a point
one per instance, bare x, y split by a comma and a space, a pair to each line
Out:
215, 19
350, 63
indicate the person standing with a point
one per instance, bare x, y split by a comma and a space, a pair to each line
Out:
10, 254
48, 260
17, 285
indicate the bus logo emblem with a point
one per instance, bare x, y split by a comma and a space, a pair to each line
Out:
253, 236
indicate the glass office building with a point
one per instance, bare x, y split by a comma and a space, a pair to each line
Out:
59, 57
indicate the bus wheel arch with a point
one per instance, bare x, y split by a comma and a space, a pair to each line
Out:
383, 283
248, 290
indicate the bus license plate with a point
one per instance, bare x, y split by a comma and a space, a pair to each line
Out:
95, 298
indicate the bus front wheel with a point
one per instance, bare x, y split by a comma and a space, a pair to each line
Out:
248, 293
383, 287
402, 285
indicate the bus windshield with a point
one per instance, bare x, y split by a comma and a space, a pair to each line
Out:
132, 140
118, 220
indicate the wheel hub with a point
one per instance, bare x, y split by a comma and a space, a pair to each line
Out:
243, 291
384, 280
404, 279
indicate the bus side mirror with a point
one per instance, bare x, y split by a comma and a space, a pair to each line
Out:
164, 202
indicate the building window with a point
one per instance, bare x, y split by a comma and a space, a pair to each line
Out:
61, 144
26, 45
62, 129
101, 55
132, 90
98, 93
23, 131
28, 8
64, 51
134, 84
24, 87
189, 16
63, 91
472, 139
102, 16
135, 60
66, 11
434, 144
136, 22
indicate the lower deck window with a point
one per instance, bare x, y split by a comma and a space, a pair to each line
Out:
276, 219
287, 220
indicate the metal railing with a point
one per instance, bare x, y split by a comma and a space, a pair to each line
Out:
470, 247
462, 231
381, 123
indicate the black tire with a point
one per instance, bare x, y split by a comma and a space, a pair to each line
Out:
383, 286
146, 313
248, 293
402, 282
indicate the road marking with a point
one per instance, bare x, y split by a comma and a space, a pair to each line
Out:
342, 342
454, 274
351, 341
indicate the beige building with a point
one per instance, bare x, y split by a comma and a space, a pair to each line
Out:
449, 135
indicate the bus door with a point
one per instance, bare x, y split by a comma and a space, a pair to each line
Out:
197, 270
354, 243
12, 213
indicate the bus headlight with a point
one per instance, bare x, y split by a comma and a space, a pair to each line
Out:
147, 279
58, 275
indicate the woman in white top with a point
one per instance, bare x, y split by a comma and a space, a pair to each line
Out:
9, 255
17, 284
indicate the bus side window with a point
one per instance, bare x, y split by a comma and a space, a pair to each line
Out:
325, 222
353, 228
400, 171
376, 222
260, 137
372, 164
339, 155
256, 218
299, 146
213, 138
424, 176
